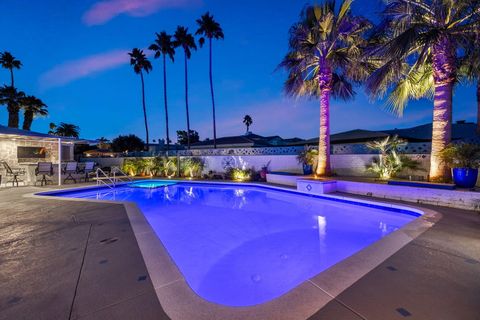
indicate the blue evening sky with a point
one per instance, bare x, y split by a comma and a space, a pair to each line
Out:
74, 59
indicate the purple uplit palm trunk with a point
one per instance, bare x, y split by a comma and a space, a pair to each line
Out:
444, 77
325, 82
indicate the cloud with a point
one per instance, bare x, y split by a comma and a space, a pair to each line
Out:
103, 11
76, 69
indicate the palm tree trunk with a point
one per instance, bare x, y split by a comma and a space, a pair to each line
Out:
11, 78
478, 107
13, 117
443, 74
27, 120
186, 103
165, 98
144, 109
323, 166
213, 99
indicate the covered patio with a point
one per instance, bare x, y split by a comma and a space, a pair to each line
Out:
22, 150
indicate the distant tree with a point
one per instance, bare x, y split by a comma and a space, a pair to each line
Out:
164, 47
127, 143
52, 126
185, 40
140, 64
12, 98
32, 107
210, 29
67, 130
9, 62
183, 139
247, 120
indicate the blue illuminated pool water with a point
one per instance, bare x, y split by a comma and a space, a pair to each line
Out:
242, 245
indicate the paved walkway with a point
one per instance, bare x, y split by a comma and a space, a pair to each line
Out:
72, 260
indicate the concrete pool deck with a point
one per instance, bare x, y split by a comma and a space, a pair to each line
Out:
62, 259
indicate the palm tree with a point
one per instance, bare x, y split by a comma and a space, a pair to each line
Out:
32, 107
470, 69
185, 40
418, 43
164, 47
324, 54
247, 120
8, 61
141, 64
210, 29
67, 130
12, 98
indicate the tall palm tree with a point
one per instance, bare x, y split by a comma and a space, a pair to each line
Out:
8, 61
470, 69
32, 107
141, 64
323, 58
164, 47
67, 130
185, 40
418, 44
210, 29
12, 98
247, 120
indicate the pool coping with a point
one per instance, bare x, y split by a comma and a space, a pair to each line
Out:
180, 302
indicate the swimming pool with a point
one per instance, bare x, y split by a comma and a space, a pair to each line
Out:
243, 245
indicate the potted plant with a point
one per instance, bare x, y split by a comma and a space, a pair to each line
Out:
264, 171
464, 160
306, 158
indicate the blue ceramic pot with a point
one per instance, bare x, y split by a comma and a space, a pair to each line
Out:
307, 169
465, 177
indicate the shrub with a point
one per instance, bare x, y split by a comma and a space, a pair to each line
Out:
192, 167
238, 174
461, 155
307, 156
389, 161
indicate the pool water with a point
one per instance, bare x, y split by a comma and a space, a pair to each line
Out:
240, 245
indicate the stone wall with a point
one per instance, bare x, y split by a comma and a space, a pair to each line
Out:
8, 151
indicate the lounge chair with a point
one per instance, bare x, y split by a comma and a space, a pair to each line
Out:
13, 174
70, 168
44, 169
89, 167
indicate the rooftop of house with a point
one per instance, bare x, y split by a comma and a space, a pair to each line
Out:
15, 133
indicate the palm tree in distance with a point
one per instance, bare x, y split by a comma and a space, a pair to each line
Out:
325, 51
164, 47
67, 130
12, 98
418, 43
140, 64
247, 120
32, 107
210, 29
185, 40
8, 61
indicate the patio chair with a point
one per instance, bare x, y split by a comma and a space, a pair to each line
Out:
13, 174
70, 168
89, 167
44, 169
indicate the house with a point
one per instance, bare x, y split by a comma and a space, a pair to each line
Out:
249, 140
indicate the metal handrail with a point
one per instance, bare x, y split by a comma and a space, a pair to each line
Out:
101, 176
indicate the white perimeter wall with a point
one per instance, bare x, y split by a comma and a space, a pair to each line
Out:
342, 164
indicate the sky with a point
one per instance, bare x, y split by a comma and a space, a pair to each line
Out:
74, 56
